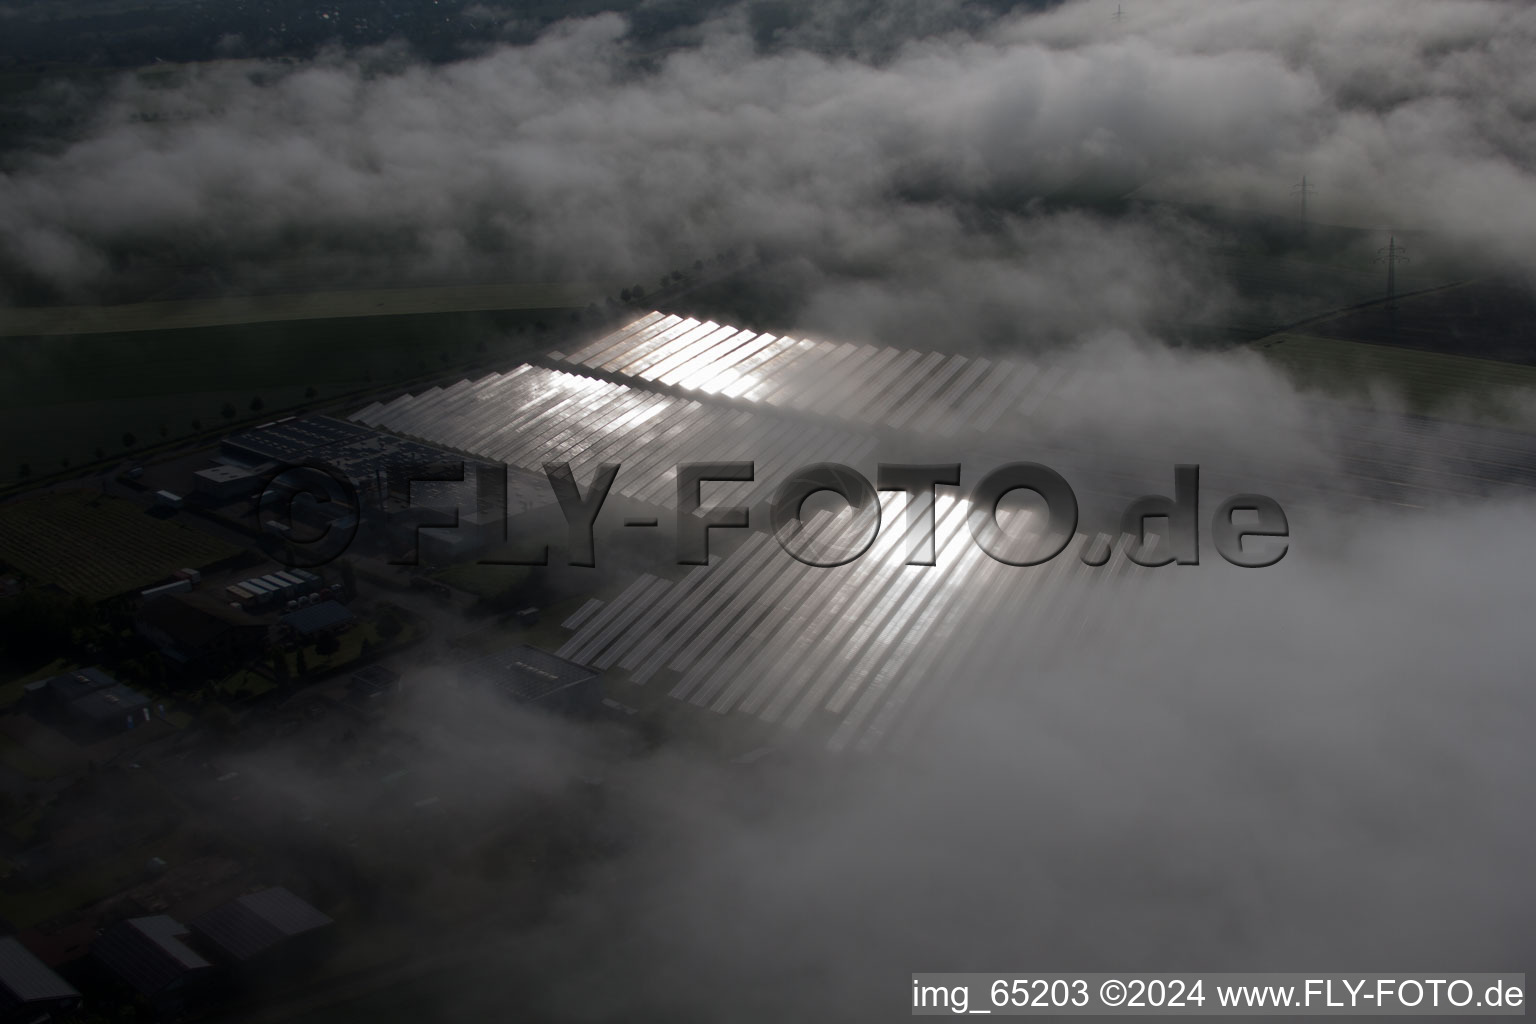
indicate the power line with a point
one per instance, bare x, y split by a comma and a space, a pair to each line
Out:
1303, 190
1392, 254
1119, 14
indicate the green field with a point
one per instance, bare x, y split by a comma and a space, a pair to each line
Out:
1426, 382
86, 385
225, 312
96, 547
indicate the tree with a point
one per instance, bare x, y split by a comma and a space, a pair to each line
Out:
624, 295
310, 392
197, 426
301, 663
24, 471
228, 412
256, 404
129, 440
164, 430
101, 453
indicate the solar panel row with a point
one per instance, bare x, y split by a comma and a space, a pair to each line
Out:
863, 384
852, 649
531, 416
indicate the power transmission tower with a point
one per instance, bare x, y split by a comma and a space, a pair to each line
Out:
1303, 190
1392, 254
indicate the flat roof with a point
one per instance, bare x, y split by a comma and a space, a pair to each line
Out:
148, 952
26, 979
110, 702
72, 685
249, 926
226, 474
526, 673
325, 615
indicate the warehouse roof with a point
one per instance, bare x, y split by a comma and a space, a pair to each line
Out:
249, 926
526, 673
26, 979
192, 621
148, 953
109, 703
73, 685
318, 618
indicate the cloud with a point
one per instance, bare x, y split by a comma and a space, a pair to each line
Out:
572, 158
1323, 765
1315, 765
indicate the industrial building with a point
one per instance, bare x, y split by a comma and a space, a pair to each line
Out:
380, 467
198, 636
263, 930
150, 956
316, 620
30, 992
89, 701
529, 676
224, 483
273, 589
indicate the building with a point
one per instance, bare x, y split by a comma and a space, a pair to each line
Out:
198, 636
380, 468
273, 588
326, 617
151, 957
29, 990
90, 700
527, 675
219, 483
263, 930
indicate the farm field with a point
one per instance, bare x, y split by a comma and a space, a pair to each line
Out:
71, 399
250, 309
1449, 386
1484, 320
95, 546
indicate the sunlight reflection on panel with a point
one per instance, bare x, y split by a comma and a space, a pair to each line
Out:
925, 391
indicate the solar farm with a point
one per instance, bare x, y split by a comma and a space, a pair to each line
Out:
847, 654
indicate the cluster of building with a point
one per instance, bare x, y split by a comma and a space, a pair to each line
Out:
88, 700
168, 967
379, 468
201, 635
291, 586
